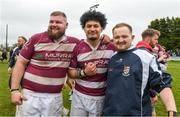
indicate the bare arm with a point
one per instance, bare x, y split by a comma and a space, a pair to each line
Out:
72, 73
18, 72
167, 97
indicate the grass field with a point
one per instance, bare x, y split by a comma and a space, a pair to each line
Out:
8, 109
174, 69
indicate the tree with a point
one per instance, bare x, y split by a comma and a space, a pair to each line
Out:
170, 32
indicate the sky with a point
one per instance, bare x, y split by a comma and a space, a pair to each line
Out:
28, 17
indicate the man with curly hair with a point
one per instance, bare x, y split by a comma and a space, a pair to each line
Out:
89, 67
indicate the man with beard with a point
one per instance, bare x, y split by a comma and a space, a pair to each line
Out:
149, 41
131, 74
89, 91
46, 57
21, 41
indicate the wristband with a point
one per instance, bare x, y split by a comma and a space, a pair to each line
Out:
82, 73
11, 90
172, 114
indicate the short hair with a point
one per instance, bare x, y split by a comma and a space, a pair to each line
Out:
58, 13
94, 16
122, 25
23, 38
149, 33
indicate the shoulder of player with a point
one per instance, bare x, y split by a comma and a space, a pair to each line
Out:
73, 39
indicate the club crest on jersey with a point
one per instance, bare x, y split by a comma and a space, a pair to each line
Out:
126, 70
103, 47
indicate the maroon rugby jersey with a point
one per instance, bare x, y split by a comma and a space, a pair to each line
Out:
84, 53
48, 62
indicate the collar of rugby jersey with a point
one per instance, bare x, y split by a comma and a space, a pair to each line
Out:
61, 39
93, 48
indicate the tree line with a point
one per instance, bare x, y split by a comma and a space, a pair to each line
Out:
170, 32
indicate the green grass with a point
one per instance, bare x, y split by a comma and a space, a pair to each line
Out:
174, 69
8, 109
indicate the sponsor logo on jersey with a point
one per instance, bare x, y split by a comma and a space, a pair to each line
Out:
58, 56
38, 56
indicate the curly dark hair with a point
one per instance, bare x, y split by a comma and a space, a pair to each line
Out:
94, 16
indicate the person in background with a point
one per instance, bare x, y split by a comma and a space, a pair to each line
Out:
163, 57
3, 55
10, 53
151, 44
0, 54
20, 42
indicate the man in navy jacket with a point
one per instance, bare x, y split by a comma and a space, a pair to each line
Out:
131, 73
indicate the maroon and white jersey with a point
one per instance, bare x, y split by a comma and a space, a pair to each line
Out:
48, 62
84, 53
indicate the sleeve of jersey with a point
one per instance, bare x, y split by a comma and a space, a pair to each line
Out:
73, 62
157, 79
28, 49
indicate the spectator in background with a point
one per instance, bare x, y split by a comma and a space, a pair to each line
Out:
0, 54
20, 42
10, 53
4, 55
163, 57
150, 43
12, 50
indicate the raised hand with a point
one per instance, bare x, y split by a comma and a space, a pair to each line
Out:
90, 69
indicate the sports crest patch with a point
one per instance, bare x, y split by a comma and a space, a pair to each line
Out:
126, 70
